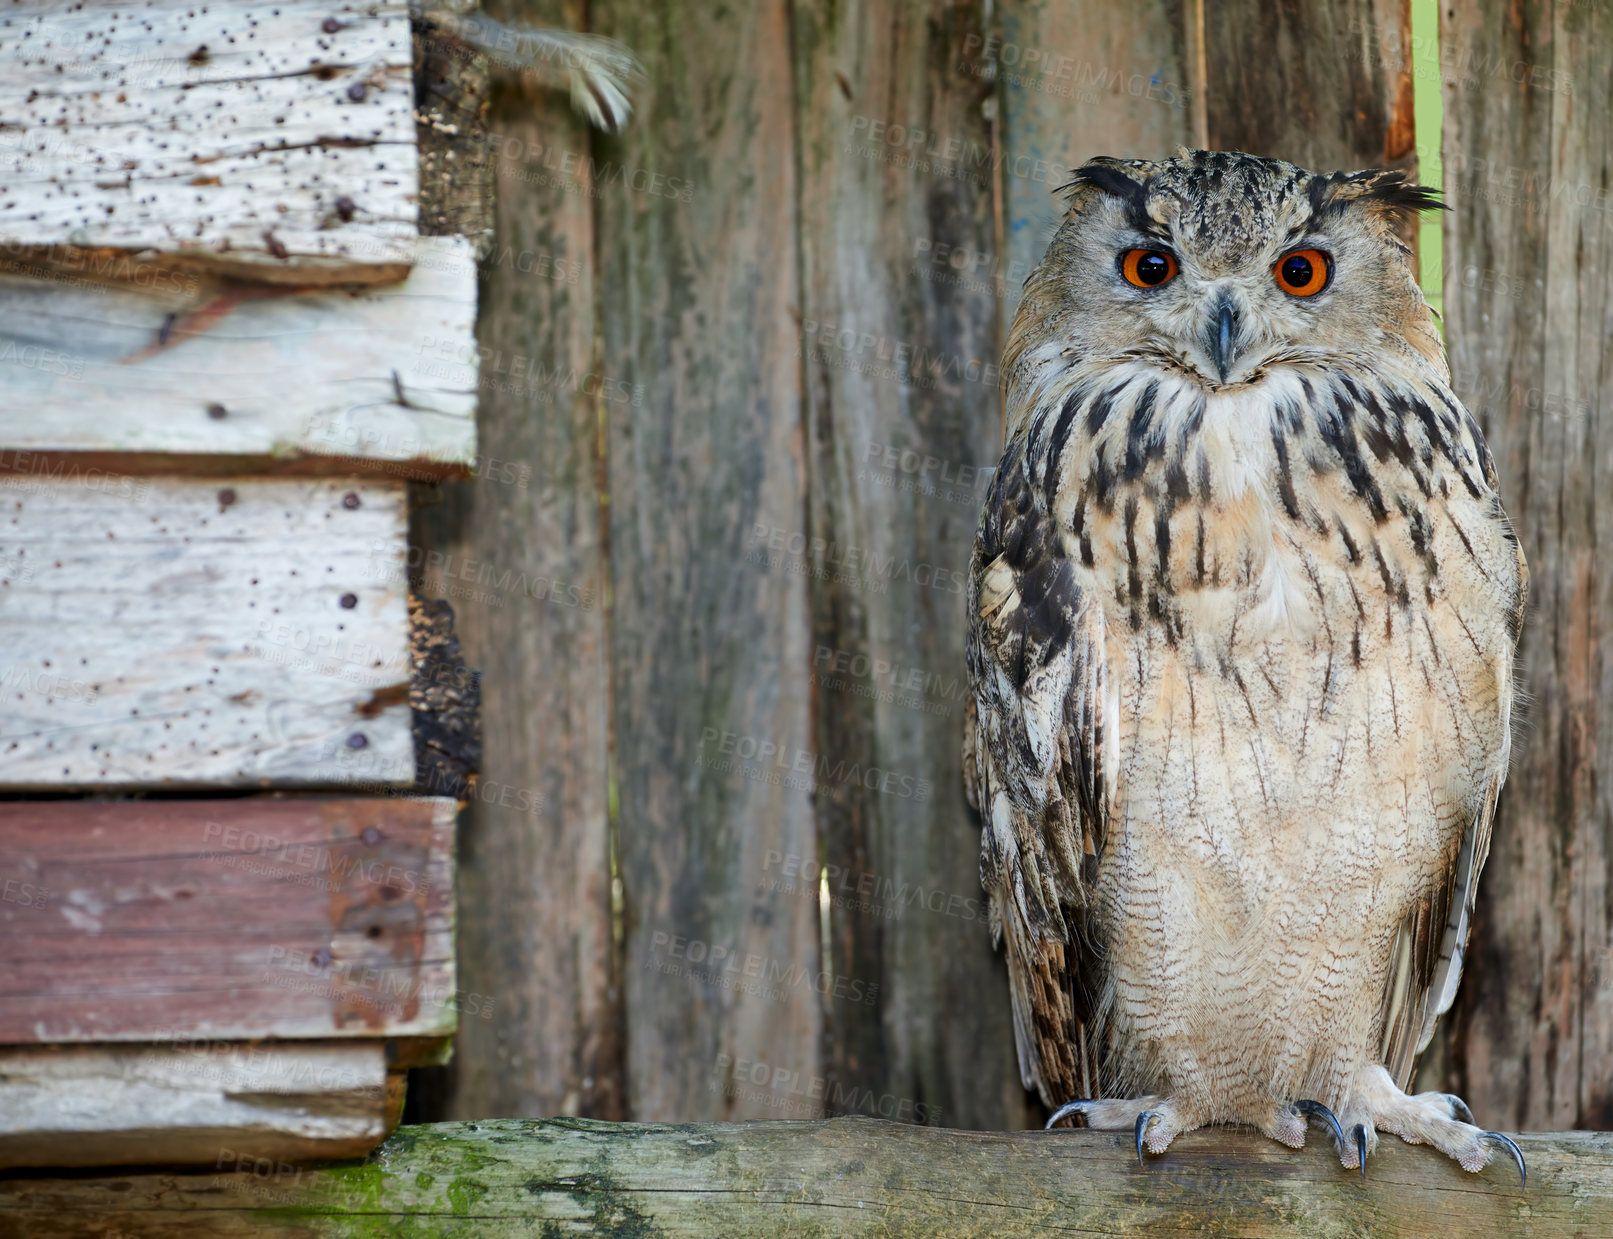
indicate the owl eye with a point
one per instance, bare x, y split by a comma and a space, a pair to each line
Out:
1147, 268
1303, 272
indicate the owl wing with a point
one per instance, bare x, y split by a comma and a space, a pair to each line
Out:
1038, 743
1430, 949
1432, 943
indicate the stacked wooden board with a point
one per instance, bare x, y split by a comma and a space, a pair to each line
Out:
225, 347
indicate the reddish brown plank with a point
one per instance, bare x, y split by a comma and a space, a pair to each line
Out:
226, 919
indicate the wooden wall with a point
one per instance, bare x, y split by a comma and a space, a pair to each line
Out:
1529, 252
748, 887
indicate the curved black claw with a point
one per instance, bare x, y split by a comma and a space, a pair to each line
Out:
1361, 1147
1142, 1127
1459, 1109
1495, 1137
1316, 1110
1067, 1109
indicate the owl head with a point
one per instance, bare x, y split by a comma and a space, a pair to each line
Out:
1221, 266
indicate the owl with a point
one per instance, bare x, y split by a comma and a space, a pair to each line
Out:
1243, 604
598, 72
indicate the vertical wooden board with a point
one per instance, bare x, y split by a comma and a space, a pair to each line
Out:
1324, 86
903, 434
701, 391
1528, 155
517, 552
228, 632
1075, 79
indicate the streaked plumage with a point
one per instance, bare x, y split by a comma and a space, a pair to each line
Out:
1241, 652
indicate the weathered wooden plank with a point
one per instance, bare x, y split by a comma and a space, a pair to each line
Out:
383, 380
902, 433
271, 139
1076, 78
227, 919
452, 91
1325, 86
186, 1103
232, 632
1528, 248
518, 553
845, 1177
708, 659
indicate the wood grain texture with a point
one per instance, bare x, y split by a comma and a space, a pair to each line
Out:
709, 672
383, 378
1528, 153
1076, 79
1324, 86
251, 136
518, 554
452, 91
226, 919
845, 1177
191, 1104
903, 430
223, 633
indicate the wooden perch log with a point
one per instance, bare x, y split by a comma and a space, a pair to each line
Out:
849, 1176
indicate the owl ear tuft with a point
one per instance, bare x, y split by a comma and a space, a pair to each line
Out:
1382, 190
1109, 176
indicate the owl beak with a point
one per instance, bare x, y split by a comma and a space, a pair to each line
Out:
1221, 341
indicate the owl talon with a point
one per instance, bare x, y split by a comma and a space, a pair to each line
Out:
1316, 1110
1459, 1110
1141, 1130
1361, 1148
1495, 1137
1081, 1107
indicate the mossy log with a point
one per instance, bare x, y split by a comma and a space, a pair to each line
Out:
848, 1176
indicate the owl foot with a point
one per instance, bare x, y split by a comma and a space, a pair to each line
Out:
1439, 1119
1154, 1121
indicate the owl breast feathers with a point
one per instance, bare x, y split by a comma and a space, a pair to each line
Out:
1242, 613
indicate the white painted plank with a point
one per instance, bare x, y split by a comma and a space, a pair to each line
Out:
200, 1103
230, 632
243, 131
220, 369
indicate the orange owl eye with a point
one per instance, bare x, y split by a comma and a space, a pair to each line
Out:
1303, 272
1148, 268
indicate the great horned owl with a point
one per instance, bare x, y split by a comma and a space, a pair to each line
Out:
1242, 613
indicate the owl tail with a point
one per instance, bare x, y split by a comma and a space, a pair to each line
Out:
599, 72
